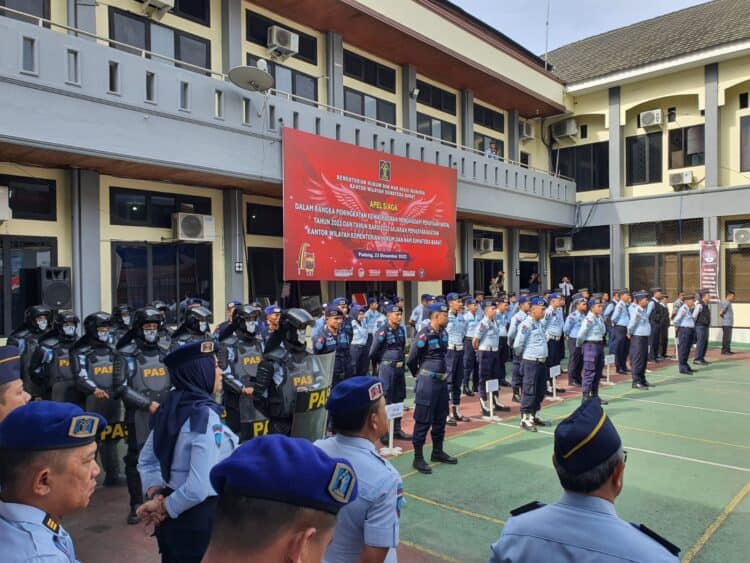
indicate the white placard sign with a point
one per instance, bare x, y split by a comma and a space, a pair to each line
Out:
554, 371
609, 360
395, 410
492, 385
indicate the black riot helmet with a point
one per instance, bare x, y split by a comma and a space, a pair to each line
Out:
31, 314
245, 319
160, 305
195, 317
93, 322
121, 312
63, 318
292, 326
144, 316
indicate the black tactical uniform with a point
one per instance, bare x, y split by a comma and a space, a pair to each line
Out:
194, 329
51, 367
92, 359
122, 318
144, 380
26, 339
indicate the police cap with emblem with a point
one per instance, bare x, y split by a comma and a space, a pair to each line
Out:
426, 297
333, 311
339, 301
638, 295
272, 310
452, 297
523, 299
437, 308
288, 470
538, 302
371, 300
10, 364
189, 353
585, 439
393, 308
354, 394
49, 425
470, 301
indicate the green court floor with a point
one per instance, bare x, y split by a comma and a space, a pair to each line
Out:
687, 476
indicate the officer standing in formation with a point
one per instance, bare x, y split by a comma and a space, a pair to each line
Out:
195, 327
36, 322
374, 320
684, 322
571, 328
427, 363
702, 325
360, 350
656, 318
140, 368
48, 471
472, 316
554, 323
387, 352
368, 528
727, 322
122, 316
332, 338
454, 357
222, 326
516, 378
12, 393
639, 332
419, 313
591, 341
608, 310
486, 344
50, 366
531, 346
582, 527
502, 316
620, 320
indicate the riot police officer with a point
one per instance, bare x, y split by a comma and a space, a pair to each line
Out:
37, 320
332, 338
165, 332
50, 365
92, 359
195, 328
240, 354
122, 316
144, 384
224, 325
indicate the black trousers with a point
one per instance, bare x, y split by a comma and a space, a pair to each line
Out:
726, 339
654, 341
185, 539
132, 477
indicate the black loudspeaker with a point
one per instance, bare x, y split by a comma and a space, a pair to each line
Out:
47, 285
461, 285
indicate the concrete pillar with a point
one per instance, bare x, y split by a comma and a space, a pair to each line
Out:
616, 168
82, 15
86, 235
231, 35
335, 69
711, 228
467, 118
712, 125
235, 262
617, 257
513, 269
511, 134
544, 281
408, 101
467, 250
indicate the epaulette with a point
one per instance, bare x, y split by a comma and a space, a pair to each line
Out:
670, 547
526, 508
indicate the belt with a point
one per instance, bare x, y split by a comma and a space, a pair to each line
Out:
487, 349
392, 363
593, 342
554, 338
434, 374
537, 360
456, 347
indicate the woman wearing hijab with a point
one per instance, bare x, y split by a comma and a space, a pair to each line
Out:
187, 439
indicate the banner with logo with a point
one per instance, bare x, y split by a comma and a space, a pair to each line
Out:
709, 266
352, 213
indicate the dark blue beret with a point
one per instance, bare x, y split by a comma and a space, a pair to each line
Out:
554, 295
426, 297
353, 394
49, 425
189, 353
371, 300
398, 299
437, 308
586, 438
339, 301
522, 299
469, 301
333, 311
10, 364
452, 296
595, 301
288, 470
272, 309
232, 304
638, 295
536, 301
393, 308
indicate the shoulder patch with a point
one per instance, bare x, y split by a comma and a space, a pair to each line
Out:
342, 482
51, 524
668, 545
526, 508
218, 431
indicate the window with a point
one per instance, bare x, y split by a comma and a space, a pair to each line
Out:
583, 131
497, 238
142, 272
31, 198
152, 209
28, 56
588, 165
583, 271
528, 244
487, 117
265, 220
150, 87
290, 80
195, 10
671, 115
672, 271
482, 143
39, 8
142, 33
184, 96
73, 71
686, 147
369, 72
738, 273
436, 128
257, 33
643, 159
743, 100
587, 238
745, 143
525, 159
435, 97
687, 231
374, 108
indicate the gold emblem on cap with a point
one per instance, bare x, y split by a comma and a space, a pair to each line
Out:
207, 347
375, 391
342, 483
83, 426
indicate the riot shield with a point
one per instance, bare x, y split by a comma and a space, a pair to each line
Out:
312, 380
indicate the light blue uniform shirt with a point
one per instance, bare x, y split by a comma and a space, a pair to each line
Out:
573, 324
639, 325
417, 315
318, 326
515, 320
684, 317
576, 529
374, 319
502, 320
373, 518
359, 334
555, 322
488, 334
24, 537
512, 309
609, 309
531, 340
472, 323
728, 315
592, 328
194, 455
621, 316
456, 329
650, 307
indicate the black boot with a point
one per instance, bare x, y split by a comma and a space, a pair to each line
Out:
466, 391
498, 405
133, 517
398, 432
457, 414
516, 395
439, 455
419, 463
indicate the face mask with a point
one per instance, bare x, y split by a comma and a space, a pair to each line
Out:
42, 325
251, 326
69, 330
126, 320
103, 336
202, 326
301, 335
150, 335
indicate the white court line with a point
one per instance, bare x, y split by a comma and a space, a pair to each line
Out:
653, 452
684, 406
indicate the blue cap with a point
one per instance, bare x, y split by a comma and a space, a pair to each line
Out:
469, 301
595, 301
354, 394
398, 299
638, 295
339, 301
585, 439
357, 309
536, 301
49, 425
524, 292
333, 311
288, 470
232, 304
10, 364
426, 297
523, 299
452, 297
393, 308
272, 309
189, 353
554, 296
371, 300
437, 308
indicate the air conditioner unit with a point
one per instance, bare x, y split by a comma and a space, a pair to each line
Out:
484, 245
681, 180
651, 118
526, 130
563, 244
5, 212
282, 43
193, 227
564, 129
161, 5
741, 236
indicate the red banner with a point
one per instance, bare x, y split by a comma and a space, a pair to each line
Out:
358, 214
709, 267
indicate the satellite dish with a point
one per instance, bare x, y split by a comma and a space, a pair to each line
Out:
251, 78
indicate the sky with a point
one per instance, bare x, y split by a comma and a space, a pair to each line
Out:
570, 20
